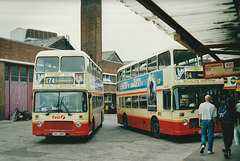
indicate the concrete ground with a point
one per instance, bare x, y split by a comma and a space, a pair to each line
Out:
217, 148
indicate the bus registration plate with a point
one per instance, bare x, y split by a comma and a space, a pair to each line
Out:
58, 134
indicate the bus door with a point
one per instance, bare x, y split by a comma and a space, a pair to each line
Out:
90, 110
166, 120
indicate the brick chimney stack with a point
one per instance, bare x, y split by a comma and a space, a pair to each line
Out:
91, 28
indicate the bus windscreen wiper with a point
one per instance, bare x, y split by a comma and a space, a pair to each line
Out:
65, 107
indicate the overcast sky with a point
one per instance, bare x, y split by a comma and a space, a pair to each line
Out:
129, 34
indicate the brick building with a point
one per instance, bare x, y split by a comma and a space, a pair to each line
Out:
91, 43
16, 66
16, 69
110, 64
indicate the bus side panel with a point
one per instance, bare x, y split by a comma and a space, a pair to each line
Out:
177, 128
173, 127
143, 123
166, 126
71, 130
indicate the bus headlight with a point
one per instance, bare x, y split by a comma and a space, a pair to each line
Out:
78, 124
185, 122
39, 124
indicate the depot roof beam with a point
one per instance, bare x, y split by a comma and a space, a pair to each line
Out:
182, 36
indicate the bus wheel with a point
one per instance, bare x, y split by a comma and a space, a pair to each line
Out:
155, 128
101, 120
93, 126
125, 121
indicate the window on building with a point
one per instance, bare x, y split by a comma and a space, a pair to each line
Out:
108, 78
108, 98
23, 74
14, 73
30, 75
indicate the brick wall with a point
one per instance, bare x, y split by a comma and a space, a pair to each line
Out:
110, 88
14, 50
109, 67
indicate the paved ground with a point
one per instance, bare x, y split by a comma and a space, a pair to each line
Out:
119, 144
218, 155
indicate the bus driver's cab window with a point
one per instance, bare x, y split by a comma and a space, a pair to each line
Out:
167, 99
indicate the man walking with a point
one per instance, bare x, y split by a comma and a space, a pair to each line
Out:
207, 120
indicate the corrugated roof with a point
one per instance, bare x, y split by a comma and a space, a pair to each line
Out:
47, 42
205, 26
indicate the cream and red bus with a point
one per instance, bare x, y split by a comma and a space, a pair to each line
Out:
67, 93
162, 93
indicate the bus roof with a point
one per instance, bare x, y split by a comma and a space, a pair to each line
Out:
61, 52
164, 49
64, 53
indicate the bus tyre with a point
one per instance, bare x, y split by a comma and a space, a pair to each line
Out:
125, 121
101, 120
93, 126
155, 128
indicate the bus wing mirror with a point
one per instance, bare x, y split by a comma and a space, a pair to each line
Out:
89, 95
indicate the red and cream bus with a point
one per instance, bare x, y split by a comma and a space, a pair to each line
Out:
68, 94
162, 93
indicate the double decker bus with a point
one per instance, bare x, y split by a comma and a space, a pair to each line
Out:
162, 93
67, 93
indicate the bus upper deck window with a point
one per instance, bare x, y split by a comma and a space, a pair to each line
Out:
142, 68
72, 64
47, 64
184, 58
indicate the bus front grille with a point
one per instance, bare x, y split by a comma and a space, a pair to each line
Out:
58, 125
194, 123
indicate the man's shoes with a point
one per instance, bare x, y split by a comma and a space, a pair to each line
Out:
227, 153
202, 149
210, 152
224, 150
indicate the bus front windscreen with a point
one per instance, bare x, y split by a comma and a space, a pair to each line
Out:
60, 102
190, 97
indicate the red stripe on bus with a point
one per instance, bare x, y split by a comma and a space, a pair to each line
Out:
71, 130
167, 126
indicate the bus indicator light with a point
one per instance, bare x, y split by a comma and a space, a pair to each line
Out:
181, 114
